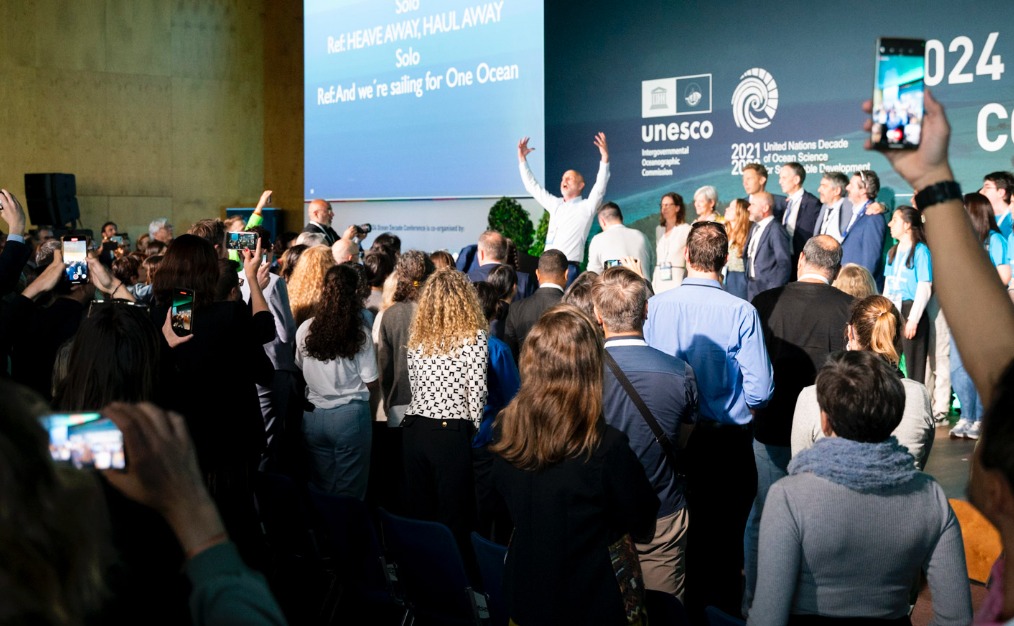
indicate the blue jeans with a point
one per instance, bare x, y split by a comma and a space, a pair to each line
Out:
772, 464
964, 388
338, 441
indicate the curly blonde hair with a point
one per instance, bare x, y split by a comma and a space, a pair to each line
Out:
448, 315
307, 282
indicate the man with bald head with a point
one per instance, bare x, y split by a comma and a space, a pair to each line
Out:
491, 253
803, 323
767, 257
321, 216
570, 216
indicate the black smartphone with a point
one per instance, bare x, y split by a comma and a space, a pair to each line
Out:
117, 239
75, 256
182, 316
898, 93
241, 241
613, 263
85, 440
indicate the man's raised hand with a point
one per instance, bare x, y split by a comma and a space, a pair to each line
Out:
523, 149
600, 143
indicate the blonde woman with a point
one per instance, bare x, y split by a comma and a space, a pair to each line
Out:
670, 242
706, 205
856, 281
307, 282
737, 225
447, 355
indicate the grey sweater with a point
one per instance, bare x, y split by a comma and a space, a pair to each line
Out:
915, 432
828, 550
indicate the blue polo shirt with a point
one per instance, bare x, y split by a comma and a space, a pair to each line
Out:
720, 336
668, 387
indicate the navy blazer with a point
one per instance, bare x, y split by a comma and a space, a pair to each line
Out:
480, 273
772, 262
864, 245
806, 222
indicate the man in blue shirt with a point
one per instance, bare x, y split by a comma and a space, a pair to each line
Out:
668, 389
720, 336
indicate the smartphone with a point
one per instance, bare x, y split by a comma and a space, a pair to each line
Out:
75, 255
117, 239
182, 316
898, 93
613, 263
241, 241
85, 440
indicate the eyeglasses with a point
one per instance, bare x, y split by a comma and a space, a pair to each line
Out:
861, 176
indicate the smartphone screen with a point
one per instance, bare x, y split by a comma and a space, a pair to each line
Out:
182, 312
898, 93
75, 255
85, 440
241, 241
117, 239
612, 263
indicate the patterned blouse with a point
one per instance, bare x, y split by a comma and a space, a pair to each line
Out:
449, 386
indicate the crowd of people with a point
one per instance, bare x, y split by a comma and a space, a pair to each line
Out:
744, 408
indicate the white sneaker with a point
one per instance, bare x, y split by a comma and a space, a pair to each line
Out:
972, 432
960, 428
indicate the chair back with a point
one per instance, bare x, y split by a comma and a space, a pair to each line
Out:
718, 617
354, 543
430, 569
491, 558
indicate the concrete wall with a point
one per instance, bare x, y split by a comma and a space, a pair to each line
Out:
160, 107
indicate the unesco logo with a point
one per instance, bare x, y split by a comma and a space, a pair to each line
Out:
755, 100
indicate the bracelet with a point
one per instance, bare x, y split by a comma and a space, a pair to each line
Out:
115, 288
938, 193
213, 541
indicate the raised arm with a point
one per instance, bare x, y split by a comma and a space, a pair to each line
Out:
532, 186
598, 191
962, 273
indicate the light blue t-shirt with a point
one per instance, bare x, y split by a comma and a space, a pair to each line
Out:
999, 250
899, 279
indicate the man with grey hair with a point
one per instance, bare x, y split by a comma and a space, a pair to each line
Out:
311, 239
161, 230
803, 322
617, 241
667, 387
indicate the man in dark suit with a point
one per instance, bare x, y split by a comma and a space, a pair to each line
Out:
767, 257
801, 209
552, 275
755, 178
321, 216
835, 208
864, 235
490, 254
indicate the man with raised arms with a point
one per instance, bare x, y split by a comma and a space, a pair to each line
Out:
570, 217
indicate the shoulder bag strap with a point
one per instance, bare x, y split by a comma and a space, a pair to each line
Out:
656, 430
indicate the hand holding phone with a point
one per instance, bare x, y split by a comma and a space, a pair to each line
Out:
899, 94
85, 440
241, 241
75, 255
182, 312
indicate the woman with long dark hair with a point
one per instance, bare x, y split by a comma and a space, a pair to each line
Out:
572, 484
987, 233
908, 283
670, 242
338, 360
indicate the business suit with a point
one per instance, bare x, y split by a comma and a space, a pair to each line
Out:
768, 263
480, 273
12, 260
778, 208
330, 236
841, 216
807, 213
524, 314
864, 245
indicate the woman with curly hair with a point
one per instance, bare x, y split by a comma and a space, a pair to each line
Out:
307, 282
447, 354
737, 225
340, 366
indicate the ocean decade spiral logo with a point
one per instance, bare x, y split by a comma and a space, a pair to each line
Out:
755, 100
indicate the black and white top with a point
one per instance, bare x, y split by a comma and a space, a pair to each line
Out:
449, 386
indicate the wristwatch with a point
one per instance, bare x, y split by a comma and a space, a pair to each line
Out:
936, 194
